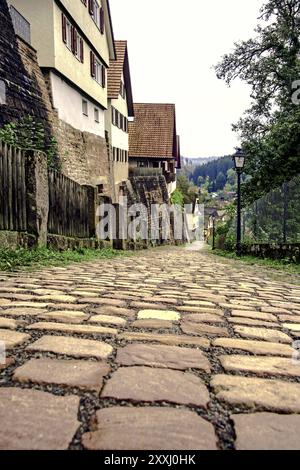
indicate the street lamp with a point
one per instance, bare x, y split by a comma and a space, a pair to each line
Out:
239, 162
214, 231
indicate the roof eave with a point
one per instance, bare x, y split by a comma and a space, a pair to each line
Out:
111, 38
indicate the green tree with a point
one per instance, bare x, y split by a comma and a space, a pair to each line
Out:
220, 181
270, 64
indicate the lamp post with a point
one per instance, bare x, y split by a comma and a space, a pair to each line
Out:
239, 162
214, 232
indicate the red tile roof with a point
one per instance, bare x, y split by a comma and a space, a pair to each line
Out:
153, 132
116, 69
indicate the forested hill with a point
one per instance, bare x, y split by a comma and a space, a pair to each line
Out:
218, 172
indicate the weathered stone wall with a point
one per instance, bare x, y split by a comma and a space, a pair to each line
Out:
82, 156
147, 190
23, 93
275, 251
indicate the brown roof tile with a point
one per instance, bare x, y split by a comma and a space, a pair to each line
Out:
153, 132
115, 70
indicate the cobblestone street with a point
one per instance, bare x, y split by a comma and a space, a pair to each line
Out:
166, 349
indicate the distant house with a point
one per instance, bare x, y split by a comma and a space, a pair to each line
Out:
154, 147
120, 108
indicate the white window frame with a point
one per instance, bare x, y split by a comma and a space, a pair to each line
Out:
85, 103
97, 115
69, 34
96, 15
98, 71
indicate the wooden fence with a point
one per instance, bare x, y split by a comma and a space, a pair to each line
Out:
69, 211
12, 189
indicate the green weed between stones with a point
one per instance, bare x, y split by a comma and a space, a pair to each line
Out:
14, 260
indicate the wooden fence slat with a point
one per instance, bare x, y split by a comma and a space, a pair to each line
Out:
68, 207
12, 189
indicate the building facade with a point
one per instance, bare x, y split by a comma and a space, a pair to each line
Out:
119, 111
75, 44
154, 146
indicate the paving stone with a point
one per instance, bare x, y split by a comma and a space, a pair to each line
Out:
80, 329
47, 292
292, 326
107, 319
32, 420
114, 311
266, 431
167, 315
156, 385
5, 302
254, 315
171, 357
6, 363
251, 322
275, 310
65, 316
72, 347
12, 339
200, 329
9, 324
264, 334
261, 365
289, 318
86, 375
153, 324
148, 305
202, 318
107, 302
188, 309
165, 339
199, 303
150, 428
23, 312
255, 347
59, 298
274, 395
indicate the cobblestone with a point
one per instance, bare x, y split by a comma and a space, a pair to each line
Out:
167, 349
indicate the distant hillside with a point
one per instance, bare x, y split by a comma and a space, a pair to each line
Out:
215, 175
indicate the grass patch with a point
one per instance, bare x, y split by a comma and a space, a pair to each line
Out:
24, 259
279, 265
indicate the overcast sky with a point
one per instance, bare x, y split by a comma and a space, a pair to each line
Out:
173, 45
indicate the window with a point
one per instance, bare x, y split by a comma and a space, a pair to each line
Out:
85, 108
2, 92
69, 35
98, 70
122, 90
97, 13
72, 39
96, 111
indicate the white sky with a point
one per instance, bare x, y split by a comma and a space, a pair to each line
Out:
173, 45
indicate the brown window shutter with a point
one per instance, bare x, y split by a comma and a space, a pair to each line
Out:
81, 51
74, 42
93, 65
64, 28
91, 7
103, 69
101, 20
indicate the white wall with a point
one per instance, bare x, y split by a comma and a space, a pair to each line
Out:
68, 102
